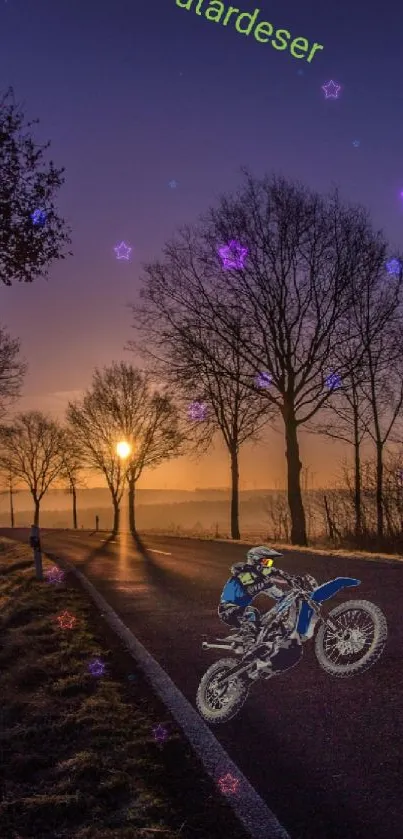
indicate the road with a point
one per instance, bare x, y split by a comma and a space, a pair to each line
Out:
325, 754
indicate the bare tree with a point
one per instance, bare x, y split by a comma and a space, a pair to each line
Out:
305, 257
12, 371
72, 468
148, 421
96, 436
32, 234
31, 449
195, 375
6, 471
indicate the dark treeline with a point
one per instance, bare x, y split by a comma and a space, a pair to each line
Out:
279, 307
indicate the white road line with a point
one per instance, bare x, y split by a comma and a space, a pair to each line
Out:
257, 819
152, 551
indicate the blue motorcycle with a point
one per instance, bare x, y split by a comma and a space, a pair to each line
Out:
349, 640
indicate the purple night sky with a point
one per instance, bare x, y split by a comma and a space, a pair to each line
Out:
134, 94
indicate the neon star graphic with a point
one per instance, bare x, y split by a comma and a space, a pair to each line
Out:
331, 90
160, 733
228, 784
233, 255
333, 381
263, 380
122, 251
55, 575
66, 621
393, 266
96, 667
173, 184
197, 411
38, 217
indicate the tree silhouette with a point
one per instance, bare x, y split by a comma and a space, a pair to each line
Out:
194, 372
32, 234
306, 257
144, 418
31, 449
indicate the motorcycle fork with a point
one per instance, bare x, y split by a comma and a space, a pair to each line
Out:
241, 668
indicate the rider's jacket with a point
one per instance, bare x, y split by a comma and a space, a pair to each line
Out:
246, 582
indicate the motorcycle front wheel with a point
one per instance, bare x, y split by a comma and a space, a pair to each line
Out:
219, 704
358, 641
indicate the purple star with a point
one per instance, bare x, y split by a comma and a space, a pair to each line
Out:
393, 266
55, 575
122, 251
160, 733
96, 667
331, 90
197, 411
233, 255
38, 217
263, 380
333, 381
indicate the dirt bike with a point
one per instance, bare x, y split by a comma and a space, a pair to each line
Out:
348, 641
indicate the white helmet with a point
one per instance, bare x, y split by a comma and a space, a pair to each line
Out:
257, 556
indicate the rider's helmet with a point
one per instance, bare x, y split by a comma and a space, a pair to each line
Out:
262, 556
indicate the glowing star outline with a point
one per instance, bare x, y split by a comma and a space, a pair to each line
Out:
122, 251
228, 784
39, 217
263, 379
66, 621
393, 266
333, 381
55, 575
331, 89
96, 667
233, 255
197, 411
160, 733
173, 184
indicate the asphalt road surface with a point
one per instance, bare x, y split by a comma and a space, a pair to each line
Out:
325, 754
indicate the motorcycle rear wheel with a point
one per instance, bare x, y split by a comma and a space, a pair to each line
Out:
229, 699
324, 641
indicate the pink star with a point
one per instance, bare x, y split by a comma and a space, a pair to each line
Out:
331, 90
122, 251
228, 784
66, 621
233, 255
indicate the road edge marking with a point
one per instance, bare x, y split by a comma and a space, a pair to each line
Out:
249, 808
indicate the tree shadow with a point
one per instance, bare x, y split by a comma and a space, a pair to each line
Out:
171, 581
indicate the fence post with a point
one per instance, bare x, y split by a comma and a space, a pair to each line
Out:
96, 522
35, 542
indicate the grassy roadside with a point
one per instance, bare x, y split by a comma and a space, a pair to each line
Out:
79, 754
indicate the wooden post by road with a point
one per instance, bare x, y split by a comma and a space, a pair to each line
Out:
35, 542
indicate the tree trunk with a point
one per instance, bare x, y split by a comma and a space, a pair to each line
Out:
298, 524
235, 534
357, 482
379, 488
131, 498
36, 515
74, 507
11, 506
116, 516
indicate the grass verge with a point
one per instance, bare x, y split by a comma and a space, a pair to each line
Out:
79, 756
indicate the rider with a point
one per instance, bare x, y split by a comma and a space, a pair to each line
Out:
249, 579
